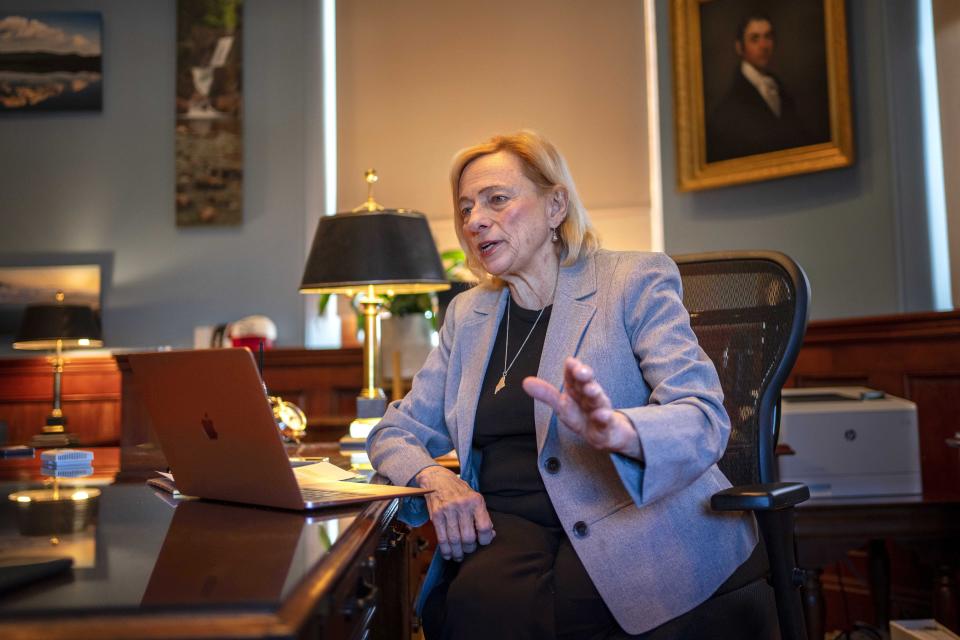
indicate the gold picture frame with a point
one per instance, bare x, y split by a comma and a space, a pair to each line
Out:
709, 153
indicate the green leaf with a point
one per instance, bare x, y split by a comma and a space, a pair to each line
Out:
322, 303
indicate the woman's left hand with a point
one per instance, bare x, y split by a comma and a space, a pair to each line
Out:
585, 409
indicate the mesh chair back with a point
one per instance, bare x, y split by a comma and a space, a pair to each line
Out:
749, 312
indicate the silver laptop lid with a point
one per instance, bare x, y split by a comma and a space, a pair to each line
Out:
212, 418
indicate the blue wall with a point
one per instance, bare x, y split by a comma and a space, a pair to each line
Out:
859, 232
104, 182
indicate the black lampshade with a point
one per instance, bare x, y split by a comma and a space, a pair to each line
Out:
391, 250
74, 325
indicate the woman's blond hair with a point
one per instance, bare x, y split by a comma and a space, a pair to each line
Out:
543, 165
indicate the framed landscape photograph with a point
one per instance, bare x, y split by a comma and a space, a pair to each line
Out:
761, 90
51, 61
209, 128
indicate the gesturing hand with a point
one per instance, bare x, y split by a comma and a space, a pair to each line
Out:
459, 513
584, 408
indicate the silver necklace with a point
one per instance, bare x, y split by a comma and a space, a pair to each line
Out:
506, 348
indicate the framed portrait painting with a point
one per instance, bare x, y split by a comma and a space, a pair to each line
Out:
761, 90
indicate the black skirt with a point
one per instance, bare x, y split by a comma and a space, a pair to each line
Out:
530, 584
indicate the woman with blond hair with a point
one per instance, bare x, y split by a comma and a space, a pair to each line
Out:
588, 423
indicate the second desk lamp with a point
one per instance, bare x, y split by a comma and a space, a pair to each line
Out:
372, 252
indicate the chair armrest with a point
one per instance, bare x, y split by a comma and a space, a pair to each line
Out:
760, 497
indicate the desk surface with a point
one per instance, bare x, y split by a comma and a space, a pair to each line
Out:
912, 517
148, 565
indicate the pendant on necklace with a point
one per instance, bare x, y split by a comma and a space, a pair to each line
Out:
500, 384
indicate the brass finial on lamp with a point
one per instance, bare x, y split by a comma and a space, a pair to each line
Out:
371, 177
372, 251
57, 326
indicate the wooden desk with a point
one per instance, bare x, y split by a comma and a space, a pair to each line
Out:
826, 530
149, 568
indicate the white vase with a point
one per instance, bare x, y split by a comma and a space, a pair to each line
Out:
410, 335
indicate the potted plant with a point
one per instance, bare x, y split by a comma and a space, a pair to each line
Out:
413, 318
409, 320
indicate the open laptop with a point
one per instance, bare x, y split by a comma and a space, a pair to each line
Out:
210, 412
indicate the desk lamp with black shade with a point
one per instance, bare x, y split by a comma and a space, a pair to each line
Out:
372, 252
57, 327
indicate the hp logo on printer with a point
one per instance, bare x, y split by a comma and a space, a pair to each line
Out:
850, 435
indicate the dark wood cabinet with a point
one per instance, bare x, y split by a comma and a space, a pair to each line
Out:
322, 382
100, 399
915, 356
90, 397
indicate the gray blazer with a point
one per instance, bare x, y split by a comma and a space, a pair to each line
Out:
643, 530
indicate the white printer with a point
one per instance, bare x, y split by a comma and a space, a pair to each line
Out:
850, 442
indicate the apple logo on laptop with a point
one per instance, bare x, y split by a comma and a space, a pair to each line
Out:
207, 425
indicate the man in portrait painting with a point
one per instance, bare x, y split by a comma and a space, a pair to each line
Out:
757, 114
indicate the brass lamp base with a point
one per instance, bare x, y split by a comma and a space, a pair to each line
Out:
47, 440
54, 433
371, 405
56, 511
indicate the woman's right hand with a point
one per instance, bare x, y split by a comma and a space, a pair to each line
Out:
459, 513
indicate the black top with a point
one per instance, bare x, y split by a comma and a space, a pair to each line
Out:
743, 124
505, 434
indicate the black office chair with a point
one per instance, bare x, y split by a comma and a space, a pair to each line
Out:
749, 312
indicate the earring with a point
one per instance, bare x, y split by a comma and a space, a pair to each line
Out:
555, 237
